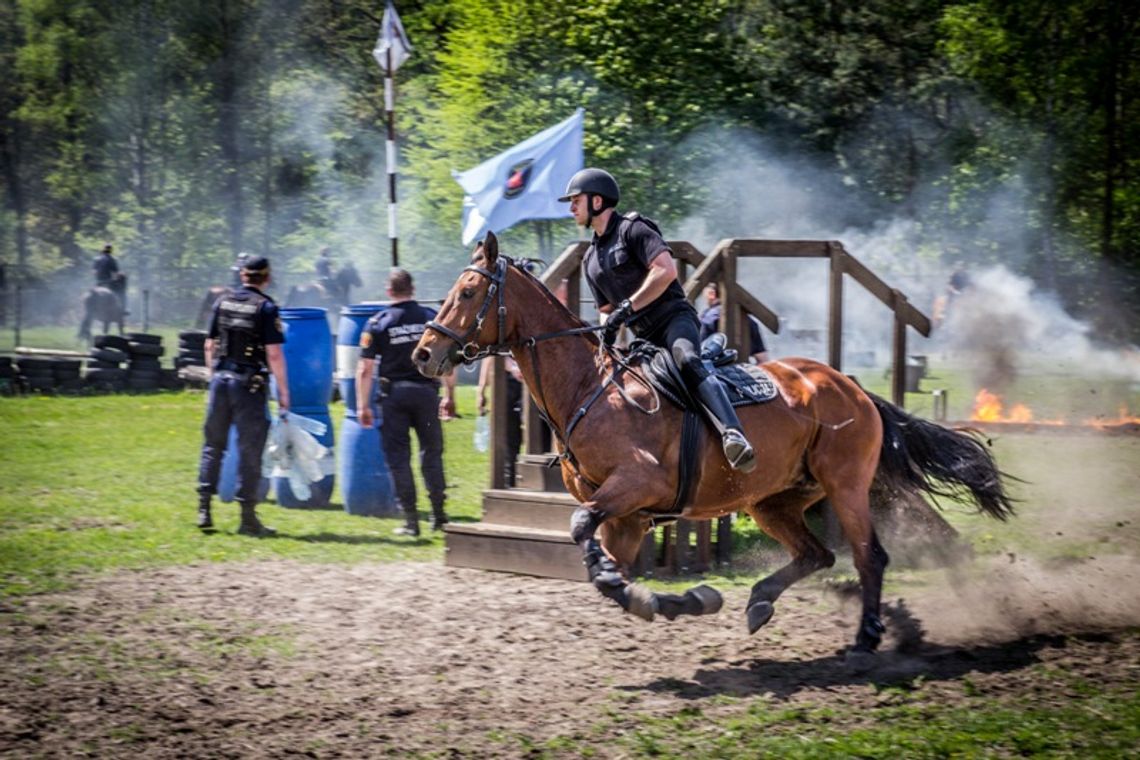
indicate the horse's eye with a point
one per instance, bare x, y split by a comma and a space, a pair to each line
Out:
467, 293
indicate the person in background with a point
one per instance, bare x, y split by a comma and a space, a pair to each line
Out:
107, 275
515, 398
323, 268
408, 400
243, 345
710, 323
631, 272
235, 270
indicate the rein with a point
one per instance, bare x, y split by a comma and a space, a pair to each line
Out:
471, 351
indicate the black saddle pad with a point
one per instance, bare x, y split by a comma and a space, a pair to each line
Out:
744, 383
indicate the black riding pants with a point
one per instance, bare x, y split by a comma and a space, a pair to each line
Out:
680, 332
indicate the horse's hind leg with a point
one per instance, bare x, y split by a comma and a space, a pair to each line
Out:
852, 509
782, 517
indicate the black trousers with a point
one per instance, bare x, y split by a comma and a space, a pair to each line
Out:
230, 402
413, 406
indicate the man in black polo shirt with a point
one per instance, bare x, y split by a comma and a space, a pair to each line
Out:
408, 399
630, 270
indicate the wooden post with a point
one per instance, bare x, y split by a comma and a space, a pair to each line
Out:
499, 422
835, 308
898, 350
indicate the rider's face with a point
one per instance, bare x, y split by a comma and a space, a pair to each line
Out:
579, 208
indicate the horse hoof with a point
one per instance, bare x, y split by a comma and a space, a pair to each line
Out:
759, 614
642, 602
710, 599
860, 660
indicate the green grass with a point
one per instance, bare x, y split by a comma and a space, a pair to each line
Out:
106, 482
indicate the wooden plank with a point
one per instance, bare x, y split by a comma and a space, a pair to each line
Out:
884, 293
526, 552
529, 509
781, 248
835, 308
28, 351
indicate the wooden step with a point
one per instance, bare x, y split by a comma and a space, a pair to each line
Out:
528, 509
513, 549
533, 474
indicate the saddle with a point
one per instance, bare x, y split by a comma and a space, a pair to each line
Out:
744, 383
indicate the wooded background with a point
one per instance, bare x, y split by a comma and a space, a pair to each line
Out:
184, 131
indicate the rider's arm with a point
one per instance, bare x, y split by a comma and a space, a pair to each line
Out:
662, 271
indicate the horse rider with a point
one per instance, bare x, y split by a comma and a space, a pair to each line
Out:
630, 270
710, 323
324, 268
235, 270
243, 345
107, 274
408, 400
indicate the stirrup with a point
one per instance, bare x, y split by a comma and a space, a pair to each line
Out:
738, 451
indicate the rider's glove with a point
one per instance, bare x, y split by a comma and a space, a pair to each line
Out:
617, 318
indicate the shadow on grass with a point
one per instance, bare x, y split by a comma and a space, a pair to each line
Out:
782, 679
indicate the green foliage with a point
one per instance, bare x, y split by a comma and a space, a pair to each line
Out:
187, 131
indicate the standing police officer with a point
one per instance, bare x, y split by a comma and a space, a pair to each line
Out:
408, 399
630, 270
244, 338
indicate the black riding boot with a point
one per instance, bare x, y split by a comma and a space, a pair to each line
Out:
737, 450
250, 525
205, 521
438, 516
411, 526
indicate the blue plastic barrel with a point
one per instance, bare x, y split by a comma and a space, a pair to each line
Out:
227, 479
308, 353
365, 481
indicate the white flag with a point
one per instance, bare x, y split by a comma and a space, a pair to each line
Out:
522, 182
392, 37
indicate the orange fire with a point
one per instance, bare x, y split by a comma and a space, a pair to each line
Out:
1122, 418
989, 407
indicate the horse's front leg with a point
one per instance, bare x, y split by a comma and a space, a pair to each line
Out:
603, 571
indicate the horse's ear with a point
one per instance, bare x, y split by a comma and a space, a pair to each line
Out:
490, 248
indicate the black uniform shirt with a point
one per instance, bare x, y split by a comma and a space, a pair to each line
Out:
617, 263
390, 336
267, 325
105, 267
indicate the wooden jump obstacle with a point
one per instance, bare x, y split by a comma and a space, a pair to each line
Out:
525, 529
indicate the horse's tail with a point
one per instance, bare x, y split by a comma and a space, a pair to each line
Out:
922, 456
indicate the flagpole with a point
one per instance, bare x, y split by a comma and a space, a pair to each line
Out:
390, 108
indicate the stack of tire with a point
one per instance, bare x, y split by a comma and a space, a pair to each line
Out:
190, 364
49, 375
144, 369
105, 367
191, 349
9, 378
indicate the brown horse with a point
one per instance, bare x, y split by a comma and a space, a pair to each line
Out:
823, 436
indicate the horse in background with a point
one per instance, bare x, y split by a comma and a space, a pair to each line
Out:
330, 293
206, 305
102, 304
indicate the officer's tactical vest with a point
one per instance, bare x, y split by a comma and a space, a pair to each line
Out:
238, 331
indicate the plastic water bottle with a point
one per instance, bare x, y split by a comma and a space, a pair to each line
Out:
482, 433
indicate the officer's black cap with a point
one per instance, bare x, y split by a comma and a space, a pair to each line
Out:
256, 264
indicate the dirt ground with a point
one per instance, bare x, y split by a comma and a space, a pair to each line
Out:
280, 658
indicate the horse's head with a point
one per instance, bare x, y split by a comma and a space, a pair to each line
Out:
471, 318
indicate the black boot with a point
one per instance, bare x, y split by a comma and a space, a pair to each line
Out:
737, 450
205, 521
251, 526
438, 516
411, 526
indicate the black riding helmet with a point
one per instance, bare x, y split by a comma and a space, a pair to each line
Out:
593, 182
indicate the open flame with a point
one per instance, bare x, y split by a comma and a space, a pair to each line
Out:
990, 407
1123, 418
